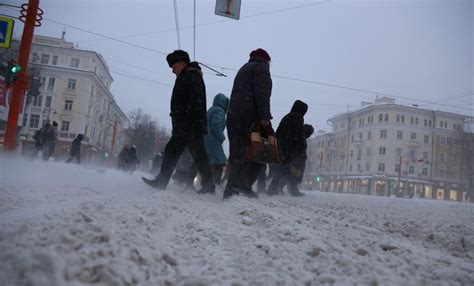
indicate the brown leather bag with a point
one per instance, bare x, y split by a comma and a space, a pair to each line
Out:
263, 149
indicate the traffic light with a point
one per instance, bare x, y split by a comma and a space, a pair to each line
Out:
106, 155
10, 72
318, 179
35, 85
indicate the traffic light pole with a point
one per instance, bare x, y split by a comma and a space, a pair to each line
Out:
20, 85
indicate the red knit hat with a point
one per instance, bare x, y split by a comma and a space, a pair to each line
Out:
260, 53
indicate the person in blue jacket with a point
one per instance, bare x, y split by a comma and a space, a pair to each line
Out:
215, 136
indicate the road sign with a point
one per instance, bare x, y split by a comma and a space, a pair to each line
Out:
6, 31
228, 8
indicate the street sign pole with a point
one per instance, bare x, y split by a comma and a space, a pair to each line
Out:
20, 85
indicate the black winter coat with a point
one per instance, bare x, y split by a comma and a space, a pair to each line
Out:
188, 103
250, 97
290, 132
76, 147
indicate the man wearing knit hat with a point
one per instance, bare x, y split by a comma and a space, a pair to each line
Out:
189, 121
249, 103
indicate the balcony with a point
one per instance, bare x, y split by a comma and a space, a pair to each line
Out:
357, 142
414, 143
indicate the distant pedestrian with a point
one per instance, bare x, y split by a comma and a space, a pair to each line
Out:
156, 164
292, 142
131, 161
50, 138
122, 158
76, 149
249, 104
189, 122
39, 139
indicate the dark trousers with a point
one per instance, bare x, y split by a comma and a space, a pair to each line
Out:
77, 156
48, 150
243, 174
173, 151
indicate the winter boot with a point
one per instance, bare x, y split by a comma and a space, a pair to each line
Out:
294, 192
154, 183
207, 190
230, 191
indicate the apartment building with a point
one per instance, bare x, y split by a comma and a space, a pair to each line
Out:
75, 93
384, 148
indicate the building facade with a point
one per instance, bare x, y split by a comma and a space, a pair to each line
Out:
384, 148
75, 92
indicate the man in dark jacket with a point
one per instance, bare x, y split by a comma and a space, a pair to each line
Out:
50, 138
76, 149
249, 103
292, 142
188, 117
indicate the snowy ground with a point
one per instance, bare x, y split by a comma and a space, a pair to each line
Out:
65, 224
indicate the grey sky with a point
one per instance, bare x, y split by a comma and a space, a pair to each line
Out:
422, 50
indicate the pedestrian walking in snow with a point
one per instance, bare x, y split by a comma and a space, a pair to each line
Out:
76, 149
292, 142
39, 139
50, 138
131, 159
249, 103
189, 122
215, 136
122, 158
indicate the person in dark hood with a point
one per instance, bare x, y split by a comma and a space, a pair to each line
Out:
76, 149
132, 161
189, 122
39, 139
249, 103
292, 142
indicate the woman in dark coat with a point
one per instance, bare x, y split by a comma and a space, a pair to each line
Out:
76, 149
249, 103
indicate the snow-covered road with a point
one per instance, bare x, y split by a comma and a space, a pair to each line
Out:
65, 224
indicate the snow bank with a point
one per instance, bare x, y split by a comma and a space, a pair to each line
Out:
64, 224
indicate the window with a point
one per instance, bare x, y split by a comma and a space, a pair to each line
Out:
381, 167
51, 82
71, 84
416, 120
359, 153
412, 120
75, 63
359, 168
454, 173
48, 101
382, 150
412, 154
45, 59
352, 153
441, 173
442, 157
34, 120
399, 134
424, 171
38, 100
55, 60
425, 156
65, 126
380, 117
369, 134
403, 118
425, 122
413, 136
350, 168
398, 117
386, 117
35, 58
441, 124
411, 170
442, 141
426, 139
68, 105
383, 134
368, 151
352, 138
360, 136
367, 166
429, 123
399, 152
397, 168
